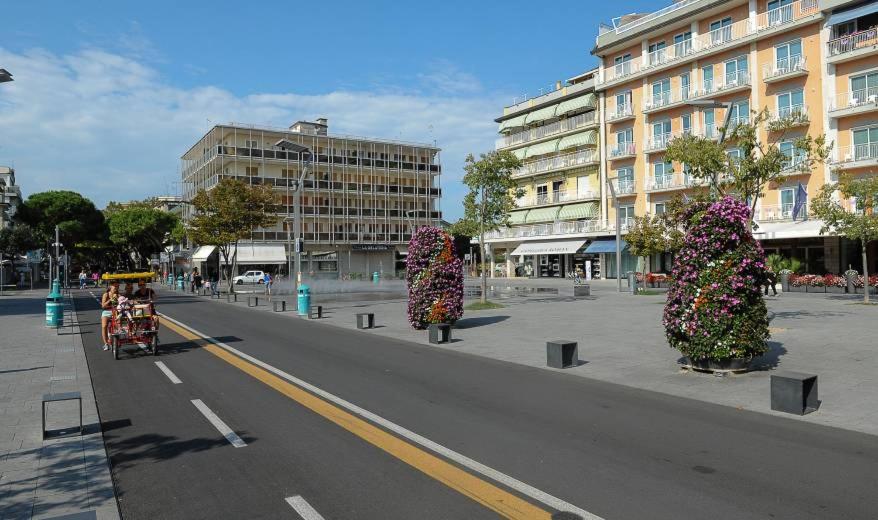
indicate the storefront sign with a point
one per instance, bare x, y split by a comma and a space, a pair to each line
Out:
371, 247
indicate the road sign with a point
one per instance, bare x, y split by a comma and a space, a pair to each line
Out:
35, 256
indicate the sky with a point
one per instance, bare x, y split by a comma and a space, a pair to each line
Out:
107, 96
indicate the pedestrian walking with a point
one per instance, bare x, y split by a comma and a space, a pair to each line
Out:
82, 279
770, 281
214, 286
196, 281
266, 281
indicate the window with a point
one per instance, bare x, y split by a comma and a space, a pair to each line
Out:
790, 104
684, 86
661, 92
787, 201
627, 213
788, 57
844, 29
740, 113
780, 11
659, 208
721, 31
661, 133
657, 53
624, 143
583, 186
251, 171
625, 136
686, 120
623, 103
864, 88
707, 79
622, 65
625, 180
663, 174
794, 154
683, 44
709, 123
251, 144
542, 194
866, 143
736, 72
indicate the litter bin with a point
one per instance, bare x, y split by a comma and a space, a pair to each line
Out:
303, 301
54, 307
632, 282
376, 277
180, 282
170, 281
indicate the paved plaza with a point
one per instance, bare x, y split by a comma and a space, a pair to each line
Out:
621, 340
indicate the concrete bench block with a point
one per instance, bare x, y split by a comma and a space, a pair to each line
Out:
365, 320
561, 353
316, 312
794, 392
252, 301
439, 333
279, 305
581, 290
66, 396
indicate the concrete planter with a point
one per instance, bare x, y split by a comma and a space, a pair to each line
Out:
726, 365
581, 290
439, 333
785, 282
813, 289
872, 290
835, 290
800, 288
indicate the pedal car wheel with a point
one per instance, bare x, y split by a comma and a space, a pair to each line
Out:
154, 345
115, 342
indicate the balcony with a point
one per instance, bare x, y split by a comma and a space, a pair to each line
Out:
789, 117
856, 156
853, 103
659, 142
575, 227
852, 46
667, 99
557, 197
743, 31
621, 113
672, 181
784, 69
777, 212
794, 165
725, 84
558, 127
622, 151
558, 162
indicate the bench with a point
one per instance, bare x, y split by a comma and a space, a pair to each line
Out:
365, 320
56, 398
794, 392
561, 353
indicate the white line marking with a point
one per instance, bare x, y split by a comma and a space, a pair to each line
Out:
448, 453
303, 508
172, 376
218, 423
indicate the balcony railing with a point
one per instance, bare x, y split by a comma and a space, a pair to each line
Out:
852, 42
667, 98
557, 197
625, 187
658, 142
569, 160
623, 149
570, 227
793, 115
857, 98
671, 181
558, 127
794, 163
783, 67
774, 212
856, 152
786, 14
668, 54
732, 80
621, 112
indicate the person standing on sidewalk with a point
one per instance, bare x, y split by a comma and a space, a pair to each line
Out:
108, 300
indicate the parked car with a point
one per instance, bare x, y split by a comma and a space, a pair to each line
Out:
249, 277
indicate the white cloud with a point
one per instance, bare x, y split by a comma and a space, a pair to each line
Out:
112, 128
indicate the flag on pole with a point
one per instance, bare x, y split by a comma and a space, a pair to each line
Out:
801, 198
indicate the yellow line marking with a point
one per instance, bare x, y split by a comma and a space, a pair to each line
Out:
485, 493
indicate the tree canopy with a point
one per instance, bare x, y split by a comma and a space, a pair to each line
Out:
77, 217
139, 229
17, 239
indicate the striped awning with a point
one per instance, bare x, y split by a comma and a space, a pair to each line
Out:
541, 215
587, 138
578, 211
541, 115
512, 123
542, 148
577, 103
518, 217
520, 152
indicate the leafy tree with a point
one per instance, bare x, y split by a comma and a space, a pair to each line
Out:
76, 217
652, 235
760, 162
228, 213
17, 239
492, 195
861, 224
142, 230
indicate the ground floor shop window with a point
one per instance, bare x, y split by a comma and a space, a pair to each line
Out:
629, 263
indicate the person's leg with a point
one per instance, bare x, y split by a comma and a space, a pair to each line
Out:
104, 322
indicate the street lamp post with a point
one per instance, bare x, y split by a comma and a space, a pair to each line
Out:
618, 232
286, 144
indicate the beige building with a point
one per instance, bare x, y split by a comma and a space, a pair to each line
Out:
10, 196
814, 61
360, 201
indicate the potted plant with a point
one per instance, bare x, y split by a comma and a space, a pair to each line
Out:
715, 315
797, 283
861, 285
834, 284
851, 278
816, 284
434, 275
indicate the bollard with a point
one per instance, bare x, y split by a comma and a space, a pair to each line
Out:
794, 392
632, 282
365, 320
316, 312
252, 301
439, 333
562, 353
279, 305
232, 297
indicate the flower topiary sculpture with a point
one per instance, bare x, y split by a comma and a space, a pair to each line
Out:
715, 309
434, 275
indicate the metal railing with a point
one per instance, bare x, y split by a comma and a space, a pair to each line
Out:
856, 152
556, 197
773, 212
667, 98
654, 15
786, 14
794, 114
852, 42
622, 150
621, 112
856, 98
625, 187
569, 227
539, 132
783, 67
569, 160
670, 181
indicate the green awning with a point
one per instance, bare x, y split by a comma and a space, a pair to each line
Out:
541, 215
578, 211
541, 115
518, 217
520, 152
587, 138
542, 148
577, 103
512, 123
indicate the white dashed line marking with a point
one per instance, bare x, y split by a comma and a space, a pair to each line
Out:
172, 376
303, 508
218, 423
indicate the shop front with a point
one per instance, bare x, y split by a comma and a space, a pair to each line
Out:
548, 259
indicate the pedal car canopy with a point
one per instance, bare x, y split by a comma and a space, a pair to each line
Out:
128, 276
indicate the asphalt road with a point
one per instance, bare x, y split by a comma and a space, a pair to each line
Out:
610, 450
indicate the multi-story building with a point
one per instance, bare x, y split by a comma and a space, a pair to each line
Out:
556, 137
360, 201
812, 61
10, 196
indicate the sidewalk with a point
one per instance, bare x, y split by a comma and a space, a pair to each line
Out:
60, 476
621, 340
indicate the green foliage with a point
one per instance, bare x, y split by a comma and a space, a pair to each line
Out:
653, 234
76, 217
464, 228
778, 264
140, 229
17, 239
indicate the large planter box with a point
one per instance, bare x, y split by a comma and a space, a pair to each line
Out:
872, 290
800, 288
835, 290
811, 289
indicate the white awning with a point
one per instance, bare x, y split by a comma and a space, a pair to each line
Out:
851, 14
800, 229
260, 254
202, 253
554, 247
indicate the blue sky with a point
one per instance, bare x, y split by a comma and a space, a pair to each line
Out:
120, 92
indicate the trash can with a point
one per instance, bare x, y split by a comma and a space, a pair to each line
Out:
54, 307
632, 282
180, 282
303, 301
170, 281
376, 277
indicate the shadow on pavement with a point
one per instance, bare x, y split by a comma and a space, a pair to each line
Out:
469, 323
770, 359
153, 447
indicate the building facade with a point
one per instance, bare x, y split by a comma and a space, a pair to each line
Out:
10, 196
360, 201
809, 61
556, 136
